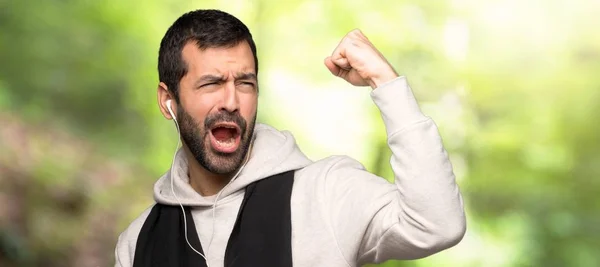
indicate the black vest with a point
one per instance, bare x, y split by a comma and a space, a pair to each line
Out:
261, 235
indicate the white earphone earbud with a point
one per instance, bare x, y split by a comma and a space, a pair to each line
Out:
170, 110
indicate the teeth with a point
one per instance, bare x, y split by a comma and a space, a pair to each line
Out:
228, 143
226, 126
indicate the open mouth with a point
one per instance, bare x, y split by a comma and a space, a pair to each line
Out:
225, 137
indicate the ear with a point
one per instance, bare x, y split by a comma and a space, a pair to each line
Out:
163, 94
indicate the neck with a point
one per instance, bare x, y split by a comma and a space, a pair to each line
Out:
205, 182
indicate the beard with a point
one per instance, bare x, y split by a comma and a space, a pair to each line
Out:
195, 136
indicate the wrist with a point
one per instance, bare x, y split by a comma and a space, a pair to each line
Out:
382, 78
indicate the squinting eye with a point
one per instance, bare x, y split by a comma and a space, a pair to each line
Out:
246, 84
207, 84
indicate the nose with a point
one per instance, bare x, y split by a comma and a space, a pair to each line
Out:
230, 98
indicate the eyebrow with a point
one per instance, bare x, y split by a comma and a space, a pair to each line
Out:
245, 76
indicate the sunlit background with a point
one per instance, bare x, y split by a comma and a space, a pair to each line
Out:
514, 87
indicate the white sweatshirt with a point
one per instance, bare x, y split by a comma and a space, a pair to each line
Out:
341, 214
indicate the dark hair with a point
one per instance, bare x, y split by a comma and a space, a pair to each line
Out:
208, 29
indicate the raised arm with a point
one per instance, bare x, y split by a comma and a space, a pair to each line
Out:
422, 212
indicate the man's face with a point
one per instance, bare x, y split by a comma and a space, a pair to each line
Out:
218, 98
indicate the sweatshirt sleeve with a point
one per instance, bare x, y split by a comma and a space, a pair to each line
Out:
125, 248
417, 216
118, 262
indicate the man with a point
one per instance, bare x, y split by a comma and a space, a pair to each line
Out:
243, 194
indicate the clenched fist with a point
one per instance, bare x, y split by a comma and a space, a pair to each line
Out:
357, 61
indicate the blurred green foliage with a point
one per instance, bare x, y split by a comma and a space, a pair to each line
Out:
512, 85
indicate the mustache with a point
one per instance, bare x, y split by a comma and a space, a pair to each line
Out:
225, 116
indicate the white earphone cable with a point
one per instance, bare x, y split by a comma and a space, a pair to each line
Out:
219, 194
214, 207
175, 195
